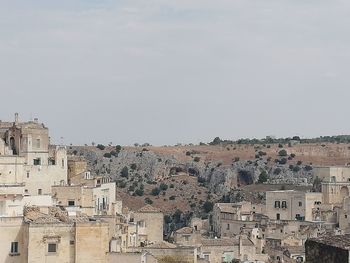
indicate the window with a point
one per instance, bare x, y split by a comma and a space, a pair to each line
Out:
26, 191
27, 174
228, 227
195, 228
297, 216
37, 161
284, 204
277, 204
62, 163
206, 257
37, 143
40, 191
300, 204
346, 216
187, 238
278, 216
71, 242
14, 247
71, 203
52, 248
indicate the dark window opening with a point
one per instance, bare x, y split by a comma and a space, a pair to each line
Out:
37, 161
71, 203
284, 204
52, 248
14, 247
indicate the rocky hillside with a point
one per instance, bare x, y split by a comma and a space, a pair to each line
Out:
190, 177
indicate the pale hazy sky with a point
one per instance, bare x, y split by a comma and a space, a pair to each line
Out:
163, 72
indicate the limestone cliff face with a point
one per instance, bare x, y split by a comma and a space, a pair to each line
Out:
146, 164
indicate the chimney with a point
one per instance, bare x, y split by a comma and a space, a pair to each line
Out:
16, 118
36, 120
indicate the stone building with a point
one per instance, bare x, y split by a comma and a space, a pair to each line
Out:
28, 163
52, 237
291, 205
149, 222
187, 236
99, 200
229, 218
227, 249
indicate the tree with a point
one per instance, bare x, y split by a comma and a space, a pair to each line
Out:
177, 216
133, 166
216, 141
118, 148
262, 177
124, 172
208, 206
167, 219
316, 186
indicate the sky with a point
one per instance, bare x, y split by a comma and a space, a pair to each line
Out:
184, 71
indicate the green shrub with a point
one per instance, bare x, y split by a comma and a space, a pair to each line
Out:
308, 168
296, 169
114, 153
101, 147
196, 159
118, 148
262, 177
282, 152
283, 161
163, 186
133, 166
107, 155
155, 191
125, 172
148, 201
139, 192
277, 171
